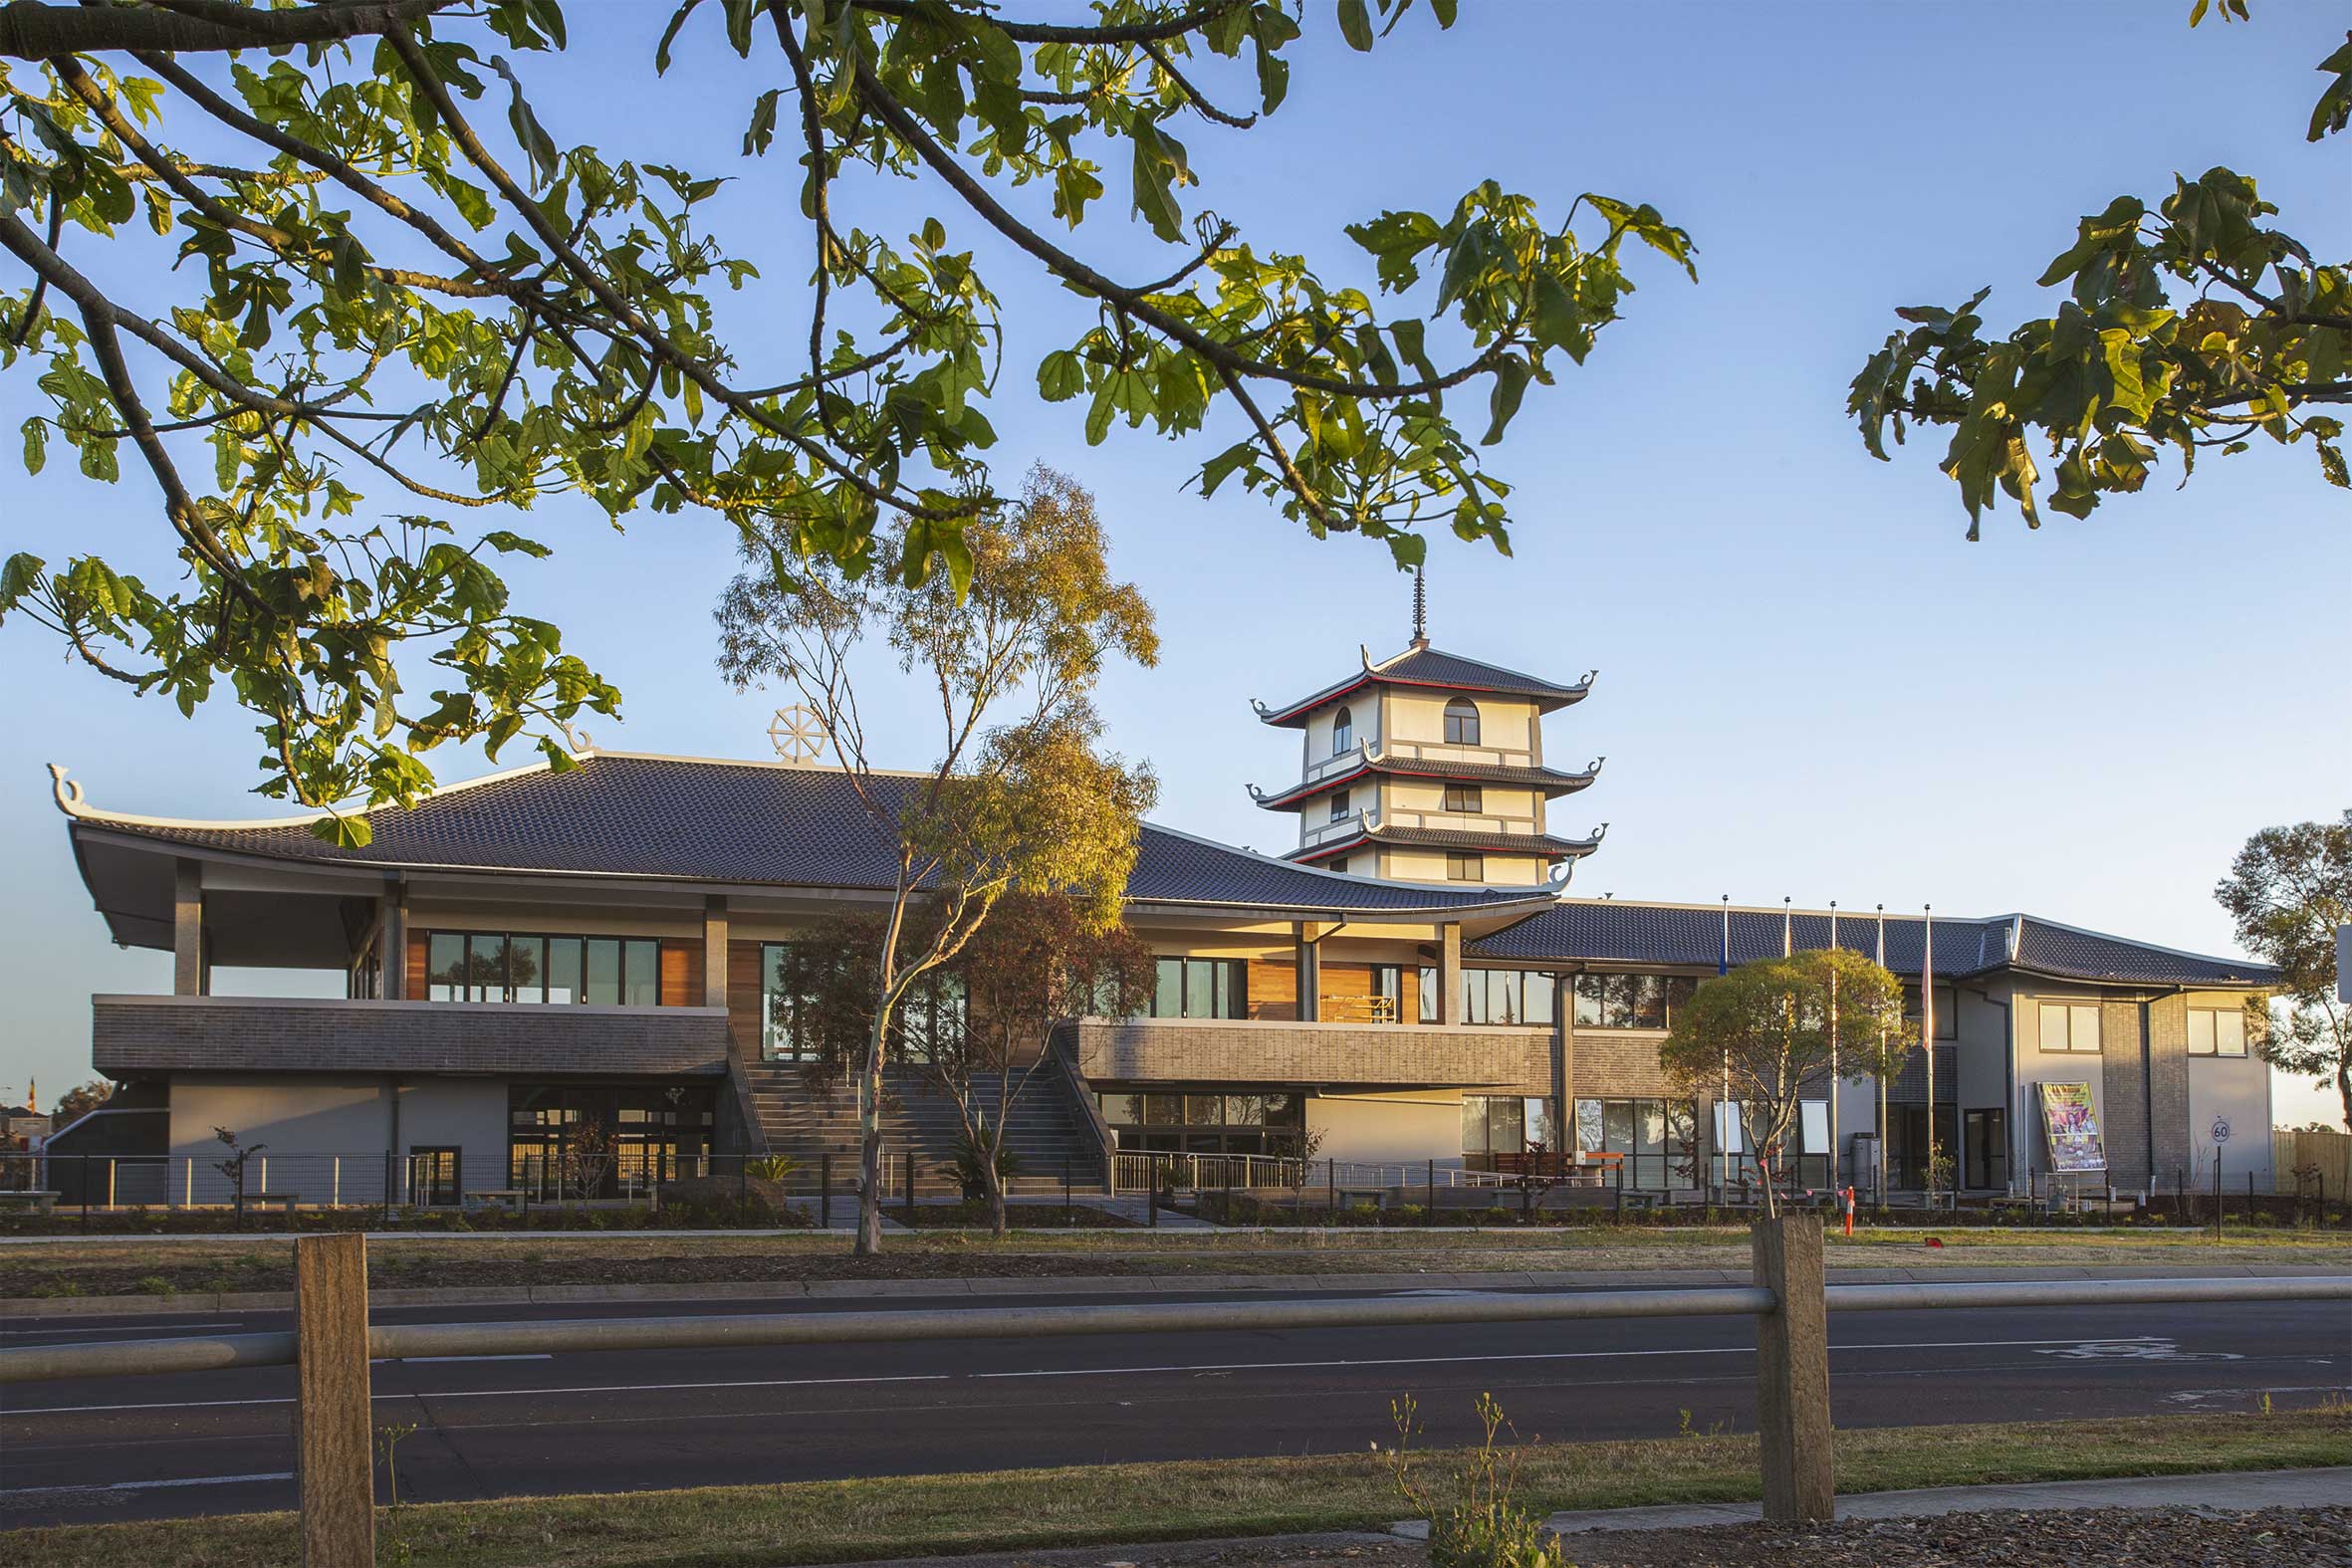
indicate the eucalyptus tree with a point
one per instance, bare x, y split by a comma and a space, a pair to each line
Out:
2195, 323
389, 287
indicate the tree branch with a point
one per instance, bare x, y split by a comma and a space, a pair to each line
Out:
30, 30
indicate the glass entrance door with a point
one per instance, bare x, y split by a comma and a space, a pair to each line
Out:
1985, 1142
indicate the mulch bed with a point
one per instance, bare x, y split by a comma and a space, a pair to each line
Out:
2078, 1538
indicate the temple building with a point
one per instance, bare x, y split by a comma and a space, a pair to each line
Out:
1428, 767
530, 964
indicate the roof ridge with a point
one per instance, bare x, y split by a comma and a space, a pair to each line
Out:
2135, 942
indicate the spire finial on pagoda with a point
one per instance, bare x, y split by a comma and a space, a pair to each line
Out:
1420, 610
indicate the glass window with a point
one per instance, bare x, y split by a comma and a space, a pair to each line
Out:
563, 969
1947, 1011
1204, 1110
1503, 995
1466, 867
641, 975
1462, 721
485, 968
1649, 1126
1647, 1002
1163, 1110
1426, 994
1474, 1124
1167, 997
2070, 1026
1617, 1124
525, 959
445, 967
1538, 1119
1339, 865
2217, 1032
1535, 1002
1342, 731
1813, 1125
1730, 1135
1338, 805
2054, 1027
604, 970
1123, 1110
2084, 1026
1589, 1003
1470, 798
1506, 1124
1589, 1126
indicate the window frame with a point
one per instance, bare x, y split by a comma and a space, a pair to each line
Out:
1464, 800
1339, 811
1463, 724
2072, 1010
636, 963
1342, 731
1466, 865
2212, 1047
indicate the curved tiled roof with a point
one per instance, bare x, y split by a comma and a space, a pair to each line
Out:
1543, 844
1422, 665
1692, 935
690, 820
1550, 780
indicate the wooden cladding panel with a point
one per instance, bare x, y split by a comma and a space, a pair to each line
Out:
744, 988
1274, 989
681, 973
418, 962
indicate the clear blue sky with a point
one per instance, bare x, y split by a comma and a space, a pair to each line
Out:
1810, 685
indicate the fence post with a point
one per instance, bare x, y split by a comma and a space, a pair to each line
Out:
910, 1185
86, 1195
1151, 1186
332, 1466
1433, 1191
824, 1192
1331, 1190
1066, 1189
1792, 1371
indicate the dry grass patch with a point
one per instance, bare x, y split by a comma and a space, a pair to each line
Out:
1017, 1510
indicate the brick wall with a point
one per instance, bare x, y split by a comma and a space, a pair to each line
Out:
1613, 1064
133, 1035
1208, 1050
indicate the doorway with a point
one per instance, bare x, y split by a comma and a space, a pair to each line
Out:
1985, 1150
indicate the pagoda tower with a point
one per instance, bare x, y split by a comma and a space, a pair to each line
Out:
1428, 767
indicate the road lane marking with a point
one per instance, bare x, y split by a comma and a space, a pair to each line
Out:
1072, 1372
1534, 1355
72, 1489
154, 1330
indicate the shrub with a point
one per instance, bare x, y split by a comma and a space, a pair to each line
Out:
972, 1176
157, 1285
1480, 1525
771, 1168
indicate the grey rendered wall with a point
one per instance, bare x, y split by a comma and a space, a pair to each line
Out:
466, 1113
305, 1122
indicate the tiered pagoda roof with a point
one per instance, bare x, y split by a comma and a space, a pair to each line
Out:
1433, 669
1552, 850
1373, 763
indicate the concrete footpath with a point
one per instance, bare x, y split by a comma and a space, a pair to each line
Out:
2229, 1492
786, 1291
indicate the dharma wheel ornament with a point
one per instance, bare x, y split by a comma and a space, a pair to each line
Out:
797, 734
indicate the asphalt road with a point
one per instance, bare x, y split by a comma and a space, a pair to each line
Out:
217, 1442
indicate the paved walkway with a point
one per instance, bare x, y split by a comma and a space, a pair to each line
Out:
2232, 1490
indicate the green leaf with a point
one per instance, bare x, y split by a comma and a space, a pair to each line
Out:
1355, 25
344, 832
669, 35
1062, 375
1158, 168
1511, 385
36, 444
762, 126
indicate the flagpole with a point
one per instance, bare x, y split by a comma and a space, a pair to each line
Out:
1834, 1145
1722, 1104
1882, 1070
1926, 1027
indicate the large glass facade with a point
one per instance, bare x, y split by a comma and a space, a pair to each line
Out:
1199, 988
497, 966
1193, 1121
589, 1141
1499, 1130
1630, 1001
1506, 996
1657, 1141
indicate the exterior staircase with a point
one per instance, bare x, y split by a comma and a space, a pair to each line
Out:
807, 1123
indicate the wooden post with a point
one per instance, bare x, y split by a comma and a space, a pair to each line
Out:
332, 1431
824, 1192
1792, 1371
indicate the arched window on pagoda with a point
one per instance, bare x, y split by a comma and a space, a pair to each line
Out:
1342, 732
1462, 721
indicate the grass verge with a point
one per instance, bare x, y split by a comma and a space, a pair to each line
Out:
1023, 1511
133, 1265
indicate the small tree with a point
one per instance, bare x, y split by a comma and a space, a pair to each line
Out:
80, 1100
1041, 956
588, 1155
2287, 892
234, 1166
1024, 619
1769, 1030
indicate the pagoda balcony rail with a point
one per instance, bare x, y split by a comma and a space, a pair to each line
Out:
1347, 827
1461, 821
1440, 752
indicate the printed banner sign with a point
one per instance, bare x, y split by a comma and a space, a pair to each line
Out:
2072, 1123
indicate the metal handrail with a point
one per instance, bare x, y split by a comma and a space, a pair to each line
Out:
392, 1341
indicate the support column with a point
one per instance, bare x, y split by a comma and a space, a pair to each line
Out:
395, 943
1449, 973
1563, 1062
714, 951
1309, 958
190, 975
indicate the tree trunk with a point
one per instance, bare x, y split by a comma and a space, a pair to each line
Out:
2344, 1082
995, 1180
870, 1147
